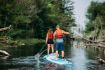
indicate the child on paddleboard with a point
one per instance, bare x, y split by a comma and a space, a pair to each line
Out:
49, 41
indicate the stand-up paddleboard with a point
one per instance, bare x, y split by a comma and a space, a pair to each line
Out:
52, 58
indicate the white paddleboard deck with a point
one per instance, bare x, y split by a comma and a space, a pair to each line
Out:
52, 58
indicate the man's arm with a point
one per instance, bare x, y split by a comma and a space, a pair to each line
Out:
64, 32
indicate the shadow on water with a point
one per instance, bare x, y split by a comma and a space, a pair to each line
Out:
52, 66
26, 58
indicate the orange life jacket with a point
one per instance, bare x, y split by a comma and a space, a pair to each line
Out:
59, 34
50, 35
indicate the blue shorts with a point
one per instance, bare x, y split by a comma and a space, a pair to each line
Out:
59, 46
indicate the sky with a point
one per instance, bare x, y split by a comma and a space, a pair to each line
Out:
80, 10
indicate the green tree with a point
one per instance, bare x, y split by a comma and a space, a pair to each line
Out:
32, 18
95, 14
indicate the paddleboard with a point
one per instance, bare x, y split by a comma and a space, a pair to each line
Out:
52, 58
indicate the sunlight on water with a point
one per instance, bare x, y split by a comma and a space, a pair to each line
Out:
78, 58
37, 56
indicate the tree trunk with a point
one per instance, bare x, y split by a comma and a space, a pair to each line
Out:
5, 28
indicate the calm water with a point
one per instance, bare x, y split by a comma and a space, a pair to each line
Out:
25, 58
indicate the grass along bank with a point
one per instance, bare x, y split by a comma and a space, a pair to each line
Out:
21, 42
30, 41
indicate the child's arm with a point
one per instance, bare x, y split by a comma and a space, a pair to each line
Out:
46, 38
54, 35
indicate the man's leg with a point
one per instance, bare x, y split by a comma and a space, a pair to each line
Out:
56, 54
62, 48
63, 54
56, 48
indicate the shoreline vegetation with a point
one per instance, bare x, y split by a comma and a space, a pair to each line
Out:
95, 29
31, 19
20, 42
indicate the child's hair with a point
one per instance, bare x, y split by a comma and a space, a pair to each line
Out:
50, 30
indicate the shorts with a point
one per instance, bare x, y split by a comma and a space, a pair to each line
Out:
59, 46
50, 41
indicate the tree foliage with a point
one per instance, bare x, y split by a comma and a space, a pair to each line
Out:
95, 14
32, 18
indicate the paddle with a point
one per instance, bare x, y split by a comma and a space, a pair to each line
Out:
37, 56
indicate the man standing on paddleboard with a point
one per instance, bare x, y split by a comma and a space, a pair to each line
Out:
58, 35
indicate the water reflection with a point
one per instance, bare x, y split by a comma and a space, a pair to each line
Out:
53, 66
82, 59
37, 56
78, 57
